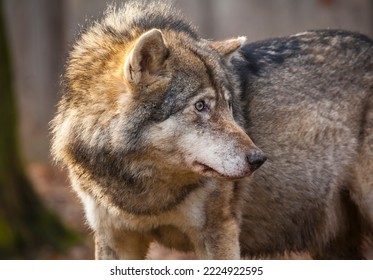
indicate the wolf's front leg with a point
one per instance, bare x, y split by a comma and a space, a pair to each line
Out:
219, 242
112, 239
216, 235
113, 245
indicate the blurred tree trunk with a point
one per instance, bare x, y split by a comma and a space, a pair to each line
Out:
27, 229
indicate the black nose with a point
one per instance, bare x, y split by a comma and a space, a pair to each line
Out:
256, 158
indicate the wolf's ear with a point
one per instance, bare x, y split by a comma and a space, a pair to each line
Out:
146, 57
227, 47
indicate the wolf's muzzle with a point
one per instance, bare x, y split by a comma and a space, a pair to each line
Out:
256, 158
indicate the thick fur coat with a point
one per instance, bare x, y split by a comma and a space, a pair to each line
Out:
230, 149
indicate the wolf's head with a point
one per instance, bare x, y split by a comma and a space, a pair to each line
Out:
190, 95
157, 95
188, 86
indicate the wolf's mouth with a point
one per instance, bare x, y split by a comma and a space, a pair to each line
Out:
206, 170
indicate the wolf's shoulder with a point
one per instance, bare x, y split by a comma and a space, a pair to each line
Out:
309, 40
310, 47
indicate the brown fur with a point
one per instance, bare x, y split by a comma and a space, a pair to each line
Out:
153, 128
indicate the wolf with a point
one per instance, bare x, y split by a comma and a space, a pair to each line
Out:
229, 149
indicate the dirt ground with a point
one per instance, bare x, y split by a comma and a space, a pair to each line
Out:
53, 186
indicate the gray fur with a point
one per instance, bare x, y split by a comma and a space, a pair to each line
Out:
308, 102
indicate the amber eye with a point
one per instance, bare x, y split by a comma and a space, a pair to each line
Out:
200, 106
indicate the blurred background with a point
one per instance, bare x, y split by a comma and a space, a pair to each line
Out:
39, 34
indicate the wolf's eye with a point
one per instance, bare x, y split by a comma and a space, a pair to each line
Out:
200, 106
